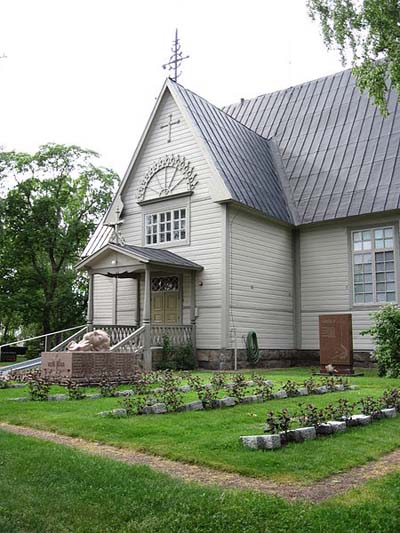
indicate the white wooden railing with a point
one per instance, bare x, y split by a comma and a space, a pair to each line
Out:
76, 336
177, 335
132, 343
117, 333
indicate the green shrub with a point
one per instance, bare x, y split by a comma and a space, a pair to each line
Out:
176, 357
385, 331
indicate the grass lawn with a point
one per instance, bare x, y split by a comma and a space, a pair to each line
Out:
46, 488
20, 359
211, 437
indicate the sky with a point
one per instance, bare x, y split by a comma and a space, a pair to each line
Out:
88, 72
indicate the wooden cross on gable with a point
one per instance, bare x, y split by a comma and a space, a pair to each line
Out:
169, 126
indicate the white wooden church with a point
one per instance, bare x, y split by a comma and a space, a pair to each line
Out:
259, 216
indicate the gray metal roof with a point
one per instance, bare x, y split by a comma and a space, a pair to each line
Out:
340, 155
243, 158
100, 237
158, 255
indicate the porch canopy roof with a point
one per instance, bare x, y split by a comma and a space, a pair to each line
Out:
118, 260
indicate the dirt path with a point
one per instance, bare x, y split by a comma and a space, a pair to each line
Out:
317, 492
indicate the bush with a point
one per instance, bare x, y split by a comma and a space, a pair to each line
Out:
74, 390
176, 357
38, 387
385, 331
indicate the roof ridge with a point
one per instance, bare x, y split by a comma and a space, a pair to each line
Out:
285, 89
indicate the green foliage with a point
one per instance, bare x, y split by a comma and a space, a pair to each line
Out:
279, 422
4, 381
310, 415
133, 404
176, 357
170, 395
391, 398
74, 390
108, 387
385, 331
262, 388
45, 221
238, 388
38, 387
290, 387
367, 31
371, 406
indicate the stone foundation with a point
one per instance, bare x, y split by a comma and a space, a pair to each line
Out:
224, 359
83, 366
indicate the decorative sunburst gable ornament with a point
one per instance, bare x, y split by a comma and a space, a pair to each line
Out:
168, 176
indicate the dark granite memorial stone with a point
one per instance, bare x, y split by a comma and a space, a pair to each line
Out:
90, 366
336, 343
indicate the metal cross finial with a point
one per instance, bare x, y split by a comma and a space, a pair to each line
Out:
176, 58
117, 235
169, 126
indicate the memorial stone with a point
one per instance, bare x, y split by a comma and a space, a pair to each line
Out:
336, 343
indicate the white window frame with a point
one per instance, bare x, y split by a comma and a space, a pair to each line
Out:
166, 221
370, 247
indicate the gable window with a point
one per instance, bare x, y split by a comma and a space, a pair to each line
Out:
165, 227
373, 266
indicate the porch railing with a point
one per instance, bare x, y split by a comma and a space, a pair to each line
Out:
177, 335
117, 333
132, 343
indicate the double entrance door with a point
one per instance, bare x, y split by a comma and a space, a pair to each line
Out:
165, 300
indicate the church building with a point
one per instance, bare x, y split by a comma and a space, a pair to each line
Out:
259, 216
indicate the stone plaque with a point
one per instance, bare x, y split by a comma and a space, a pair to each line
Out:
336, 342
83, 366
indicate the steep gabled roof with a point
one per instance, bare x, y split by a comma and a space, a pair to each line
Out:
340, 155
242, 158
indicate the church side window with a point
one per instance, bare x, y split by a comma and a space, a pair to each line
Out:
165, 227
373, 266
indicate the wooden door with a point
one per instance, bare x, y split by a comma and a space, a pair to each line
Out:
157, 308
171, 307
165, 308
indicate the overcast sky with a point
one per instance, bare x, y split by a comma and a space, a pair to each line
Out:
87, 72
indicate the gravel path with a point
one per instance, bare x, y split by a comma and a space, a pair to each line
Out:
317, 492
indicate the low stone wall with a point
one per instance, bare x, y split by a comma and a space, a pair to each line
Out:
224, 359
90, 365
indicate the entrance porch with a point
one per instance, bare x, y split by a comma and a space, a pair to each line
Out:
164, 294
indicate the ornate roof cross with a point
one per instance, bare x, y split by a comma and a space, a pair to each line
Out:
116, 234
176, 58
169, 126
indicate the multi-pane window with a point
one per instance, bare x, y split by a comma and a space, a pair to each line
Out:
373, 266
165, 227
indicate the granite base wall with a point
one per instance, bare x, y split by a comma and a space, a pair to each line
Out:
224, 359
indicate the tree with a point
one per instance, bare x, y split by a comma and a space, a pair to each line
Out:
369, 32
46, 219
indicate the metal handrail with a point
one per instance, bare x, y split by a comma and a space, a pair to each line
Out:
69, 339
40, 336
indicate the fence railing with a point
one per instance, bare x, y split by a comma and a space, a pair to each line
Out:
75, 337
45, 338
132, 343
177, 335
117, 333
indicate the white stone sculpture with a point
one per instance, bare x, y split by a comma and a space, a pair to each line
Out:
93, 341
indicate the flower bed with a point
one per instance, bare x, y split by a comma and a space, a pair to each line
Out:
333, 418
164, 391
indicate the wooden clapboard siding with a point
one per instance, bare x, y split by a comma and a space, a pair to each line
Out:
205, 244
261, 281
103, 300
326, 282
126, 301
